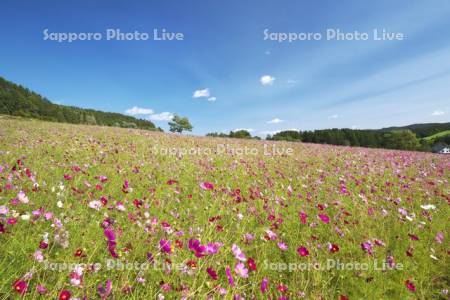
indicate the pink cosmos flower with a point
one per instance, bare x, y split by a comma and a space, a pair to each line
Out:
104, 292
302, 251
206, 185
248, 237
282, 246
324, 218
41, 289
367, 246
22, 197
303, 216
238, 253
38, 256
229, 276
68, 176
272, 235
390, 260
264, 284
439, 237
4, 210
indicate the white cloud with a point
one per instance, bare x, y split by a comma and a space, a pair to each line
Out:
267, 80
275, 121
246, 129
438, 113
201, 93
139, 111
335, 116
291, 82
164, 116
212, 99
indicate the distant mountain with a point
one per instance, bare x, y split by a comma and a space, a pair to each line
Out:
421, 130
17, 100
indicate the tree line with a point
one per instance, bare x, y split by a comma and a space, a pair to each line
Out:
17, 100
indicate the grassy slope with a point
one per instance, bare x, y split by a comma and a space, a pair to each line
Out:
317, 174
437, 135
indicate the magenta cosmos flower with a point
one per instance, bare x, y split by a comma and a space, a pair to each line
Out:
206, 185
165, 246
302, 251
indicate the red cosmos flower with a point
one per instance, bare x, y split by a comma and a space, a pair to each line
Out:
104, 200
282, 288
20, 286
191, 264
78, 252
179, 244
302, 251
65, 295
212, 273
171, 181
251, 264
343, 297
43, 245
410, 286
67, 177
333, 248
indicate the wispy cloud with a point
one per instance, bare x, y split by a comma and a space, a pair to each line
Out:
201, 93
212, 99
275, 121
267, 80
139, 111
164, 116
437, 113
335, 116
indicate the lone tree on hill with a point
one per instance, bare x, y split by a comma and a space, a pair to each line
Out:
178, 124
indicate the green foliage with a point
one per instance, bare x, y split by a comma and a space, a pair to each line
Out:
180, 124
401, 139
396, 139
437, 135
239, 134
16, 100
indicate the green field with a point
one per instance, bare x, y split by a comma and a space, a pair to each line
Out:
102, 212
437, 135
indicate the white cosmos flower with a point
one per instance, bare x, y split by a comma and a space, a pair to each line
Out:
95, 204
428, 206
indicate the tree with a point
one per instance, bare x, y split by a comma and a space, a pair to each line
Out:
401, 139
178, 124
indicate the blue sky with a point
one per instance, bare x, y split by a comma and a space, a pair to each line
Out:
307, 84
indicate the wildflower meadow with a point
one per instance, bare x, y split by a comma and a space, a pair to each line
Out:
90, 212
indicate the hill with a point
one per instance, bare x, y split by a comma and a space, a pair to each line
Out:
437, 135
421, 130
17, 100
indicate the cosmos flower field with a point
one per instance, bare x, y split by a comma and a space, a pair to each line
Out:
96, 213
